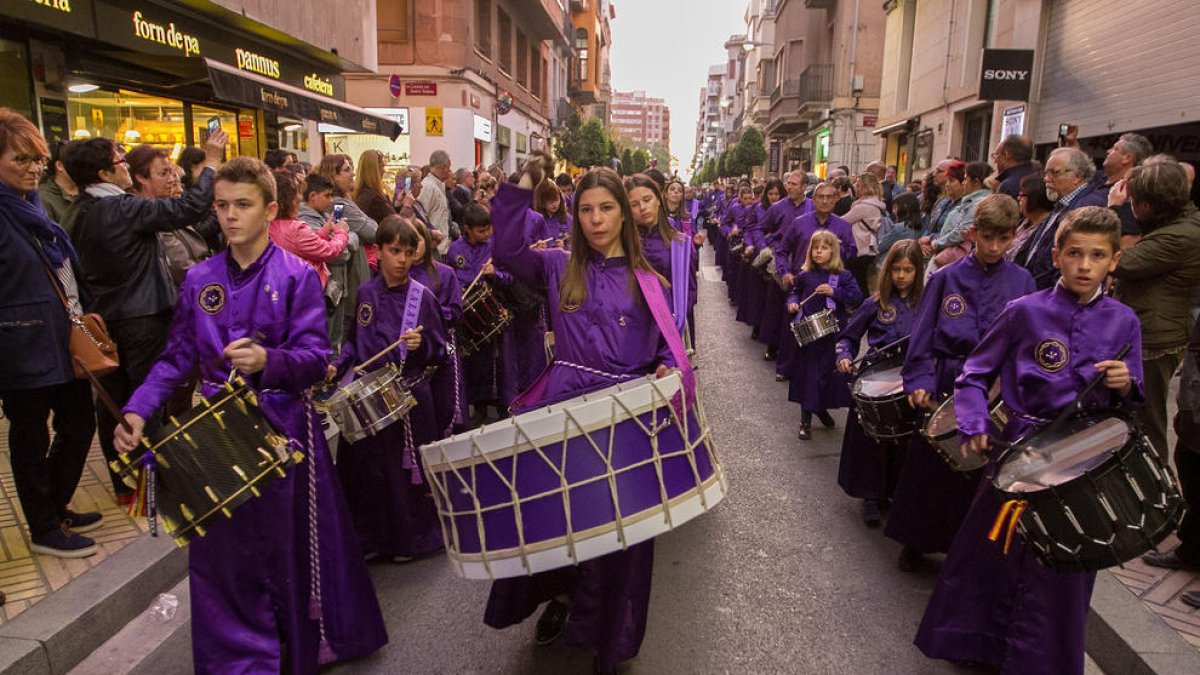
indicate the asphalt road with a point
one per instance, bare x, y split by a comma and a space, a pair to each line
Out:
782, 577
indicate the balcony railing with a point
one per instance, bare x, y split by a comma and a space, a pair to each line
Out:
816, 82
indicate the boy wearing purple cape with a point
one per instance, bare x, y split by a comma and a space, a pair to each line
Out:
269, 590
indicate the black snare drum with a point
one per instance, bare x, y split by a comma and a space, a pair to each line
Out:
1093, 492
883, 408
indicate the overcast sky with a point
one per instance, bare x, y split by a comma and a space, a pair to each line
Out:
665, 48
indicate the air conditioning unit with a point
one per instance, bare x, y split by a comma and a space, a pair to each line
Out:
826, 113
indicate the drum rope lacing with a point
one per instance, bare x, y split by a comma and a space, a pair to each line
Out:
452, 347
612, 376
315, 610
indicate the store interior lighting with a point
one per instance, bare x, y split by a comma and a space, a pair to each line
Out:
82, 88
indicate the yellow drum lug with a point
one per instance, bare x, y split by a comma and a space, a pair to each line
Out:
188, 437
211, 494
187, 513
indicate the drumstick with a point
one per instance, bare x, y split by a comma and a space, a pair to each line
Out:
476, 279
359, 368
876, 352
106, 399
810, 297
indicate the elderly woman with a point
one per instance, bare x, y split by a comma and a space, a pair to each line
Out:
36, 376
1156, 277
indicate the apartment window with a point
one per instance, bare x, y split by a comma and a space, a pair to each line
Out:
504, 25
522, 59
483, 26
391, 21
538, 65
581, 52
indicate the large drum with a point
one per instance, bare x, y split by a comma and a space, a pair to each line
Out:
941, 430
815, 327
1092, 493
573, 481
483, 318
370, 404
882, 405
210, 461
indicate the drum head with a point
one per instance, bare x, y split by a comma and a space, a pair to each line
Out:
943, 420
1045, 462
879, 381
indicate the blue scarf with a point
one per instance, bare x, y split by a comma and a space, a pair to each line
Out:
27, 213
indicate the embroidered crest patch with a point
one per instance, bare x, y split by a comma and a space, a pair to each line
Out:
366, 314
460, 261
212, 298
954, 306
1051, 355
886, 315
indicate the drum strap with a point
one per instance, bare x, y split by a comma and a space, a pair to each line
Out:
412, 309
833, 283
681, 268
657, 302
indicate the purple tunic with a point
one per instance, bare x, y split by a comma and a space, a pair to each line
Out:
1010, 612
560, 230
659, 254
612, 332
393, 515
529, 328
961, 301
753, 285
814, 382
868, 468
490, 374
250, 575
449, 391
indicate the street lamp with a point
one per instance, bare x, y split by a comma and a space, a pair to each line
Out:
749, 45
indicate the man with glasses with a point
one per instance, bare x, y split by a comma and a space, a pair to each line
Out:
1013, 159
115, 234
1069, 185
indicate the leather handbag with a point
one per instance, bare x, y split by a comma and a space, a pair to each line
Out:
92, 350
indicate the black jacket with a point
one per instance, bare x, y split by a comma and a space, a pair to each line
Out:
117, 246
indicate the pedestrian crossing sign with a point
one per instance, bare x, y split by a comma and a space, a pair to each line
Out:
434, 125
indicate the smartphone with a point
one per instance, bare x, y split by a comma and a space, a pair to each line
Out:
214, 123
337, 212
408, 183
1062, 130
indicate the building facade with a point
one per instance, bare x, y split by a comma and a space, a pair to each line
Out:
642, 119
590, 86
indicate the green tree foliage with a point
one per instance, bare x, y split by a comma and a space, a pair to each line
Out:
723, 164
584, 144
640, 159
626, 161
749, 153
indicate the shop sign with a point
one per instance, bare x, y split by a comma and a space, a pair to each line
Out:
483, 129
245, 128
869, 121
54, 120
923, 150
823, 146
74, 17
503, 136
166, 34
321, 85
257, 63
1014, 122
435, 124
773, 155
420, 88
1006, 74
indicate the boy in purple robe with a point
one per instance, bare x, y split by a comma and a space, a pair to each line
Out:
449, 390
1006, 610
380, 473
779, 214
960, 303
489, 374
823, 284
281, 583
869, 467
605, 333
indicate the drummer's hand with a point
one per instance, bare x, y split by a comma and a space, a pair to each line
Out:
789, 279
661, 371
919, 399
489, 270
412, 338
1116, 376
698, 239
794, 308
845, 366
330, 373
246, 355
126, 441
824, 289
977, 444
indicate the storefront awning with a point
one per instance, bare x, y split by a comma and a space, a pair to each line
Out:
905, 124
248, 89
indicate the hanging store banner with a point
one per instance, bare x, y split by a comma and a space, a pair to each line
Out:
1006, 74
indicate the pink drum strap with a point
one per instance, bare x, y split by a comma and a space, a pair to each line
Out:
833, 283
681, 268
657, 302
412, 309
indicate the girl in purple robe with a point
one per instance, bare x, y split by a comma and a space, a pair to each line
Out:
489, 374
281, 583
869, 467
392, 510
449, 392
994, 603
753, 299
604, 333
823, 284
548, 201
669, 252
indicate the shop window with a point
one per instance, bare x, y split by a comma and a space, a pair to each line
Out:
14, 78
504, 24
483, 27
130, 119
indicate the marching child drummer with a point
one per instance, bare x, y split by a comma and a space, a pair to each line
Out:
489, 374
263, 598
1007, 610
824, 283
449, 395
960, 302
869, 467
397, 321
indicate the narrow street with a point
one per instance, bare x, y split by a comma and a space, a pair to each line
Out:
781, 577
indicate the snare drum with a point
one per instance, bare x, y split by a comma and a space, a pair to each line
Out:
941, 430
211, 460
814, 327
573, 481
369, 404
482, 320
1094, 493
883, 408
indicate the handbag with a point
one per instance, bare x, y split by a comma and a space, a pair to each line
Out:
92, 350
